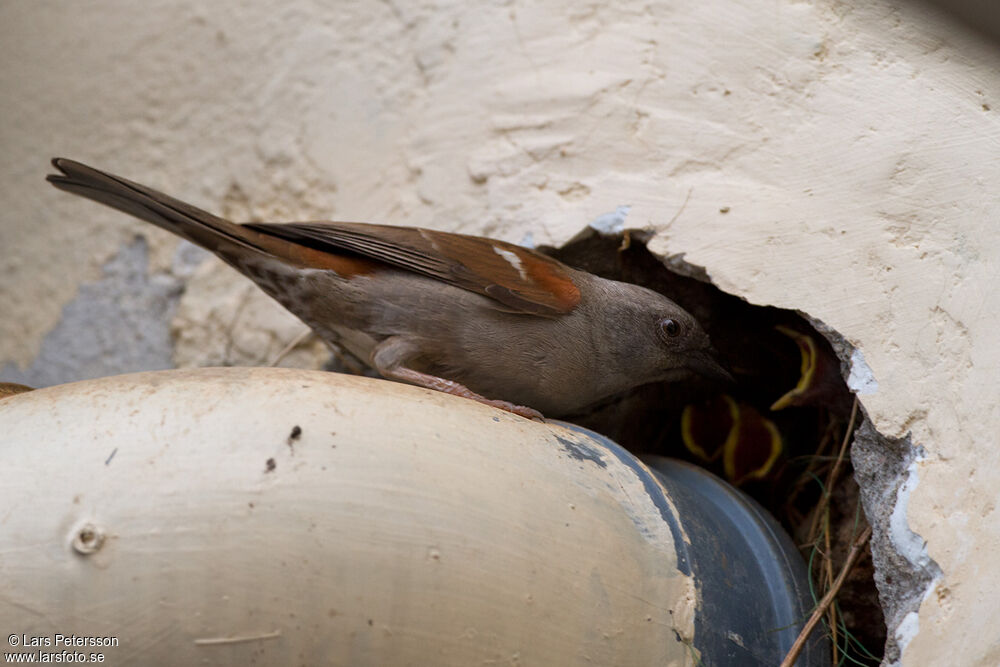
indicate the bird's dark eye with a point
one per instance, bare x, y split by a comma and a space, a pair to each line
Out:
670, 327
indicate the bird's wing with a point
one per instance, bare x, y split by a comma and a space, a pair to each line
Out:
519, 278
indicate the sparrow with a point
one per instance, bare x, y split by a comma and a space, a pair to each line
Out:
13, 388
820, 381
471, 316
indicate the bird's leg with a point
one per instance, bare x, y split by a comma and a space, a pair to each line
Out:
390, 356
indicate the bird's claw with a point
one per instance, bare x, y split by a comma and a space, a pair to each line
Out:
519, 410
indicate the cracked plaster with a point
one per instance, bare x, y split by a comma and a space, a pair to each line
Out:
837, 157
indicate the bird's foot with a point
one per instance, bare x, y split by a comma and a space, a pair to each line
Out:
457, 389
520, 410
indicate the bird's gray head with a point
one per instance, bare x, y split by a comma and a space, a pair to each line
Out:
651, 338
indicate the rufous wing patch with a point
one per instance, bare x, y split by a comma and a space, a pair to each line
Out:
519, 278
344, 265
515, 276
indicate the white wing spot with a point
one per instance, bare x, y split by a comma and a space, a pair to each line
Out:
513, 260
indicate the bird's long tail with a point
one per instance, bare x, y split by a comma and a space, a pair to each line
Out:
239, 245
198, 226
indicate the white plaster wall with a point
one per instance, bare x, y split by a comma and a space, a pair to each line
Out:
854, 144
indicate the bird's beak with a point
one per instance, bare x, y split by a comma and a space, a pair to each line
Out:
703, 363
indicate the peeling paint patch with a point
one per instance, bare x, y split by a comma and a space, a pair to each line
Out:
611, 223
735, 638
886, 471
909, 545
653, 491
907, 629
581, 452
118, 324
861, 379
661, 501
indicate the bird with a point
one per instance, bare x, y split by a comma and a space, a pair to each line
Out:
748, 443
13, 388
471, 316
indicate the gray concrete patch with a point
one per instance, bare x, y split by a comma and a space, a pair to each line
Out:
903, 576
118, 324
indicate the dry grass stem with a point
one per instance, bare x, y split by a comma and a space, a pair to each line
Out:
856, 550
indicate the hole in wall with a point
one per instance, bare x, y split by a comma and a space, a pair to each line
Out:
776, 433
